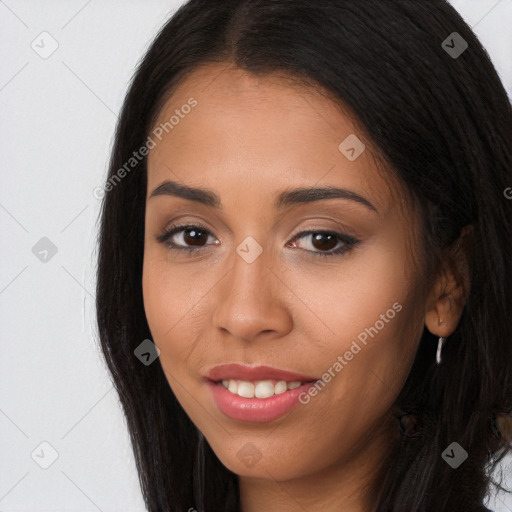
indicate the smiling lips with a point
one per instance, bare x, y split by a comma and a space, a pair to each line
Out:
255, 393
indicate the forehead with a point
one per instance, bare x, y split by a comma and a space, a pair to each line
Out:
262, 132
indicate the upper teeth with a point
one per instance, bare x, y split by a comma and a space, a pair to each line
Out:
259, 389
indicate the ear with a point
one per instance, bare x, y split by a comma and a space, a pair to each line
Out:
450, 290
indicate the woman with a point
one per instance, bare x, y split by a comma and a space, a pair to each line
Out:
305, 259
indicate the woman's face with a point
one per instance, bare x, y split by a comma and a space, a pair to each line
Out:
258, 289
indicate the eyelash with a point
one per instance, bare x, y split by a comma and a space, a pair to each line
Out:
348, 240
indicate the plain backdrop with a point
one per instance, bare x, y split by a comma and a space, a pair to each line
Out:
58, 117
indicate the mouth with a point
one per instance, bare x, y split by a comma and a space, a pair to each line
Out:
255, 393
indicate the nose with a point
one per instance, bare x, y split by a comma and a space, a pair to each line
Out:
252, 301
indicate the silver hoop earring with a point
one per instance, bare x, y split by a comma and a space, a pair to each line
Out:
440, 344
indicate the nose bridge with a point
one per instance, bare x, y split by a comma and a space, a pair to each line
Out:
249, 277
249, 299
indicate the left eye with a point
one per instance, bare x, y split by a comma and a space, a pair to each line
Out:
327, 242
324, 243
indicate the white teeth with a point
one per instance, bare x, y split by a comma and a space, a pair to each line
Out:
264, 389
246, 389
259, 389
280, 387
233, 386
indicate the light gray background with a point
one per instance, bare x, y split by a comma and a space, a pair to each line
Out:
57, 124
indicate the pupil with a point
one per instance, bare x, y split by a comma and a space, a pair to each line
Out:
317, 237
192, 238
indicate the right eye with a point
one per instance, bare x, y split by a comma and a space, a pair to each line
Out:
190, 234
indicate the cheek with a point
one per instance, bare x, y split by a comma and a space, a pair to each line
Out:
348, 297
175, 297
366, 310
159, 297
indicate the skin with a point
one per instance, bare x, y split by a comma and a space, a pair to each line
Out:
248, 139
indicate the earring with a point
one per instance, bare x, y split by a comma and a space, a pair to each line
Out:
409, 424
440, 344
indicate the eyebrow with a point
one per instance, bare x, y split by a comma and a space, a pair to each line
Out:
289, 197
